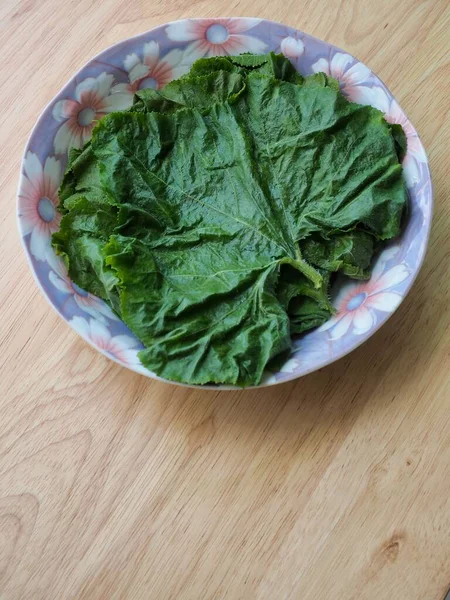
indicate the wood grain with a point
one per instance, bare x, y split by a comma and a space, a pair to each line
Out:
334, 486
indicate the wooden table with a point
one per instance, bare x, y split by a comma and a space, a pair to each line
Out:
335, 486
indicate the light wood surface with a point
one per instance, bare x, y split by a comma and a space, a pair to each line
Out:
335, 486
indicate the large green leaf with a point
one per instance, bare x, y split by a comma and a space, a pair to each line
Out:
327, 164
212, 213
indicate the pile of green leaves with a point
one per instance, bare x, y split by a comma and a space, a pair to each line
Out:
212, 215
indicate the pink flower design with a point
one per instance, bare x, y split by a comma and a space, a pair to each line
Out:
93, 99
292, 47
88, 303
356, 302
153, 71
215, 37
123, 348
39, 199
347, 71
378, 98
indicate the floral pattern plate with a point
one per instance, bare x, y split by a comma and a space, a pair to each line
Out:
108, 82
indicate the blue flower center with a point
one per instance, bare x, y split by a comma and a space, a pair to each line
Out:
356, 301
148, 82
46, 210
86, 116
78, 290
217, 34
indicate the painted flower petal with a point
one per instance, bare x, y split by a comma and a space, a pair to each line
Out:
33, 168
122, 88
313, 347
81, 326
363, 320
339, 63
222, 49
341, 327
104, 83
86, 134
87, 85
416, 149
131, 359
138, 72
357, 74
389, 253
173, 58
39, 241
410, 170
393, 277
27, 191
330, 323
28, 216
379, 267
356, 93
240, 25
59, 283
65, 109
131, 60
100, 334
56, 264
363, 95
384, 301
90, 305
117, 101
291, 47
151, 53
65, 139
381, 100
244, 43
373, 96
103, 308
183, 31
125, 342
194, 51
179, 71
397, 115
94, 306
321, 66
52, 170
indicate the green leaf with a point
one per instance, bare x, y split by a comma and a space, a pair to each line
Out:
212, 214
206, 66
327, 164
82, 236
275, 66
271, 65
306, 305
399, 139
213, 243
252, 61
200, 325
305, 313
191, 92
350, 253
